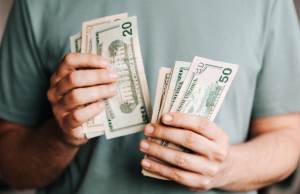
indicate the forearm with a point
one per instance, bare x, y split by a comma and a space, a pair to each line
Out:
266, 159
33, 158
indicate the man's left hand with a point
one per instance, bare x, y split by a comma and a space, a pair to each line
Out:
203, 168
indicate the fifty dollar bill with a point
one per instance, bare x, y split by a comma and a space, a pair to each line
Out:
202, 92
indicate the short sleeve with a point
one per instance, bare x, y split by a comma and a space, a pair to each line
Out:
278, 83
23, 81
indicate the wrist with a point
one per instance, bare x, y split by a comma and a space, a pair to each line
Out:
62, 137
227, 177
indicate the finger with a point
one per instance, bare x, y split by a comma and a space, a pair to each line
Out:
79, 116
190, 162
76, 135
73, 61
85, 78
187, 139
83, 96
52, 95
194, 123
186, 178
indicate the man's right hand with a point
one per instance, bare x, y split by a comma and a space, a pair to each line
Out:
77, 91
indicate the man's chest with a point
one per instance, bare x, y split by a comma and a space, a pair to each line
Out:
177, 31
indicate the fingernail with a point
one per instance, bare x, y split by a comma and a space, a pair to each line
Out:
145, 163
144, 145
167, 118
149, 129
113, 75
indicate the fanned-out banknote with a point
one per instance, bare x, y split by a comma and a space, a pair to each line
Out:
198, 88
164, 76
129, 111
205, 87
179, 73
95, 126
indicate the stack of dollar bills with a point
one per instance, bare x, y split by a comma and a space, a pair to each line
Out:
197, 88
116, 38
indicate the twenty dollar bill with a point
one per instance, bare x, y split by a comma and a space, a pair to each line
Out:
129, 111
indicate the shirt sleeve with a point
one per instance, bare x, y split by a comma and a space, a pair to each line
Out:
278, 83
23, 79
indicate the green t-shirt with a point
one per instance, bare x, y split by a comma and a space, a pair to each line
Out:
262, 36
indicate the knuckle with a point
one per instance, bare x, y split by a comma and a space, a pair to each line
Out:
223, 155
75, 117
200, 184
180, 161
56, 111
73, 97
176, 175
212, 170
68, 59
50, 96
220, 154
152, 167
189, 139
158, 132
205, 184
195, 186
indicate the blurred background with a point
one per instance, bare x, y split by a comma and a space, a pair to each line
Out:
290, 186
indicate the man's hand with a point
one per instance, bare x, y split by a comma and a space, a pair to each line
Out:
271, 154
200, 169
77, 91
